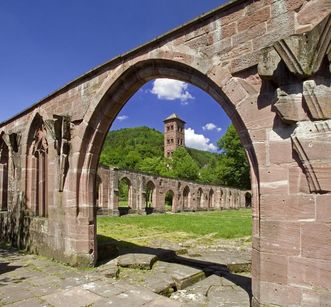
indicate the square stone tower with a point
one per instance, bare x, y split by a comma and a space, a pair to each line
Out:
174, 134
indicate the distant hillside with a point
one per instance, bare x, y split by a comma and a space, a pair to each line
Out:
125, 148
203, 158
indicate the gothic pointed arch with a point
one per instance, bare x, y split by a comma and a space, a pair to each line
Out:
211, 199
37, 168
200, 198
186, 198
125, 192
150, 194
114, 94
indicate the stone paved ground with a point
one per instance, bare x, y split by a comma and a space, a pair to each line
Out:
197, 277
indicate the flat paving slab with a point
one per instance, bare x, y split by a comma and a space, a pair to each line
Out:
137, 261
202, 276
32, 281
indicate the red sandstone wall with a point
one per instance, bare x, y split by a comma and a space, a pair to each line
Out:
219, 53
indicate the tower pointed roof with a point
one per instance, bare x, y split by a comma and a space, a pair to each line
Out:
172, 117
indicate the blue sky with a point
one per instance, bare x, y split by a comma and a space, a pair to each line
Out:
46, 44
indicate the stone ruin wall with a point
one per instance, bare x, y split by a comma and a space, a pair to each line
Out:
187, 195
267, 63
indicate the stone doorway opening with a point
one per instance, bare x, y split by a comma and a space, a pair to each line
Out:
124, 196
187, 197
169, 201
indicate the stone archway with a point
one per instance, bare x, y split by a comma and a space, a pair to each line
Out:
150, 194
114, 96
125, 195
200, 199
170, 201
276, 95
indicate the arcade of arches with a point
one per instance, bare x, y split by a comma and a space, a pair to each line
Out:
267, 63
150, 191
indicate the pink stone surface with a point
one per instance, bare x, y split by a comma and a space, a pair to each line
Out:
222, 54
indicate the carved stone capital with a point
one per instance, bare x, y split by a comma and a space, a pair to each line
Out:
289, 63
302, 54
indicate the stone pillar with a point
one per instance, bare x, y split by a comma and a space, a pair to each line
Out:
114, 193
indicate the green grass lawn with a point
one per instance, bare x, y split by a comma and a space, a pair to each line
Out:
226, 224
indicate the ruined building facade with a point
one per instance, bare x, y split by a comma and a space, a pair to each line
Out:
267, 63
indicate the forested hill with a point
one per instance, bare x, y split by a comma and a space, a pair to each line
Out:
127, 148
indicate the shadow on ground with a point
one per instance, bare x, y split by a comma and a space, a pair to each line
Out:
109, 248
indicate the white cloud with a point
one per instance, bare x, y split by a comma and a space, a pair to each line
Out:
169, 89
198, 141
211, 126
122, 117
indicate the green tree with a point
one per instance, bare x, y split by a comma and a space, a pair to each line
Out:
154, 165
207, 173
131, 160
182, 165
232, 169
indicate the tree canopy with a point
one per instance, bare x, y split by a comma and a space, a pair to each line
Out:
233, 168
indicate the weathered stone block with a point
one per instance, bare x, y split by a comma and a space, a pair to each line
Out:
137, 261
254, 19
280, 237
279, 294
323, 206
315, 240
280, 152
307, 272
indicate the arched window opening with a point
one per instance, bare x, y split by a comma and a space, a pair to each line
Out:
139, 153
169, 200
150, 195
37, 191
125, 197
4, 158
